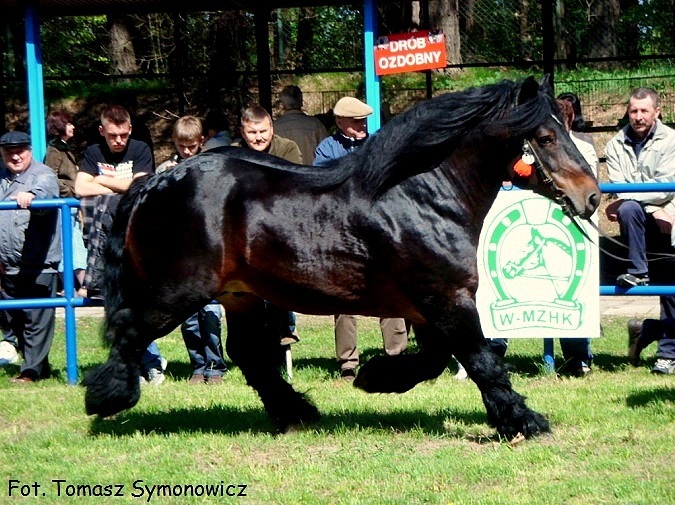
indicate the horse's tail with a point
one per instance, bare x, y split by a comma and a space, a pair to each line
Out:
114, 288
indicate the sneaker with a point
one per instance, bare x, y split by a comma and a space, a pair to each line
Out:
289, 339
8, 354
664, 366
156, 376
630, 280
348, 374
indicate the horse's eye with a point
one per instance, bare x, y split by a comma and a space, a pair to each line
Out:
542, 141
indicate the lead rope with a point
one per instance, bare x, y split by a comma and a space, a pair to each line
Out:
657, 256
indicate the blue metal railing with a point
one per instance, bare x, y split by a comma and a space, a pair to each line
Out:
643, 187
68, 301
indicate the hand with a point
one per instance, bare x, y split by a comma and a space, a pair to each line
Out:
663, 220
612, 210
23, 198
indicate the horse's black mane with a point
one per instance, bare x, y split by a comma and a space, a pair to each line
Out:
423, 136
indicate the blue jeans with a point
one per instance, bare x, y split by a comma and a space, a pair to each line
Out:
201, 334
151, 358
666, 344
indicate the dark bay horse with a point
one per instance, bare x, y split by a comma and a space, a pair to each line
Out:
390, 230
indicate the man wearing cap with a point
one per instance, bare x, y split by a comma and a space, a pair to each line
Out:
350, 118
30, 252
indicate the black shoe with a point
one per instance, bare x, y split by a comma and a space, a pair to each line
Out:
630, 280
348, 374
640, 335
634, 334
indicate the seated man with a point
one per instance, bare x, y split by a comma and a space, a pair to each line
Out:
644, 151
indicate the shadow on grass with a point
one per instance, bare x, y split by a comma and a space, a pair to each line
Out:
650, 396
232, 421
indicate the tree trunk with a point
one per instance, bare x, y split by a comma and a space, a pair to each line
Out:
122, 54
630, 34
444, 14
225, 87
303, 44
604, 25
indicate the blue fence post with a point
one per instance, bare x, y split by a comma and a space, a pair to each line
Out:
69, 291
549, 356
372, 80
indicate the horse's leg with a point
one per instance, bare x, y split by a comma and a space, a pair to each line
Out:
114, 386
506, 409
255, 349
402, 372
457, 332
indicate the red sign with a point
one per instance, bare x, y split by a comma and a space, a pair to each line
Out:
409, 52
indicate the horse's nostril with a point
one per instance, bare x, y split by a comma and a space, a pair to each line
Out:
594, 201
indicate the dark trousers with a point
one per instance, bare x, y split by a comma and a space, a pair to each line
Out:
201, 334
666, 343
31, 329
640, 233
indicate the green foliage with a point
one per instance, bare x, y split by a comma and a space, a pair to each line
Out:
338, 38
74, 46
611, 441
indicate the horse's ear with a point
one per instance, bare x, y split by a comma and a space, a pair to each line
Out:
528, 90
546, 84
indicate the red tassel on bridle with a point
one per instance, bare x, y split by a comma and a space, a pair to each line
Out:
522, 169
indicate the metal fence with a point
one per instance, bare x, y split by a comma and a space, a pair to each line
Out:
69, 302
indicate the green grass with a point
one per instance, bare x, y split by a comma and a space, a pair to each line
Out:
612, 439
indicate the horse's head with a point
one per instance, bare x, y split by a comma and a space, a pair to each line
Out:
558, 170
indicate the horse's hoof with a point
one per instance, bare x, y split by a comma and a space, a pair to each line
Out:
529, 424
111, 389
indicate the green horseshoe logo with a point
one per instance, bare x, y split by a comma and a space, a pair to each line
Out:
537, 261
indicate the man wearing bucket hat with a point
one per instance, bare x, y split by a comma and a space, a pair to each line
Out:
30, 252
350, 118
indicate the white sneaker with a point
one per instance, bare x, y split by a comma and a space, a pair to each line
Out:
8, 354
156, 376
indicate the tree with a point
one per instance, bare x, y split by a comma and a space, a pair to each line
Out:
444, 14
122, 54
603, 25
